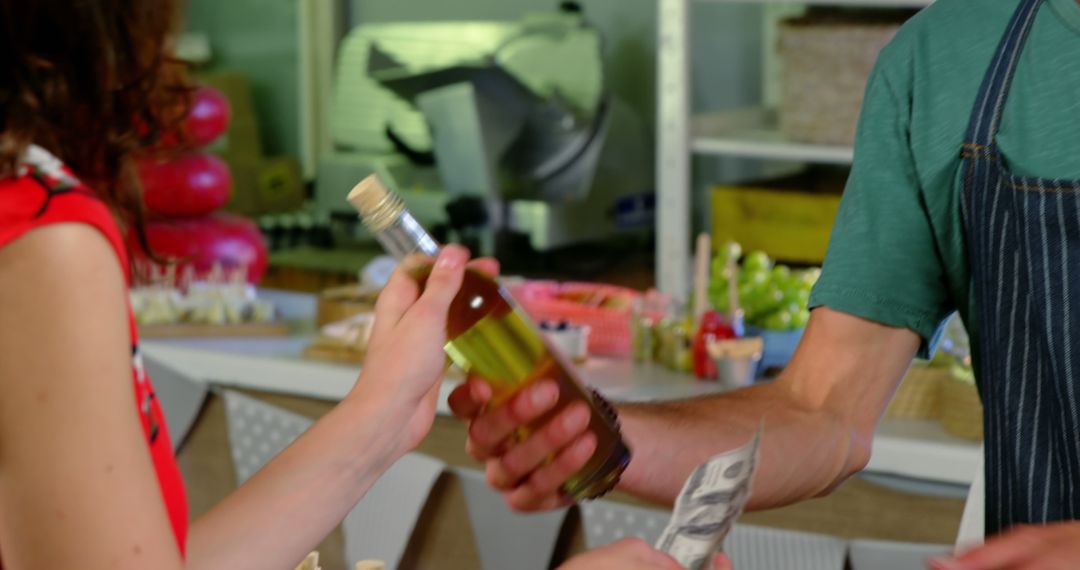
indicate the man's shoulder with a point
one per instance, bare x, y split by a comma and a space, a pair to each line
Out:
957, 12
945, 36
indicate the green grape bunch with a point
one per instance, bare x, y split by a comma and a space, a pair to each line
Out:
772, 296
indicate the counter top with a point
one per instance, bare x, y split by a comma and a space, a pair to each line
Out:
909, 448
277, 365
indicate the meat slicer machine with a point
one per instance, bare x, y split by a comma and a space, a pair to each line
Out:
489, 128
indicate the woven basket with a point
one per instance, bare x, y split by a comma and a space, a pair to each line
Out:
826, 61
935, 393
919, 393
961, 411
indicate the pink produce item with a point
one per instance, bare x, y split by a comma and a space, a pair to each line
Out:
229, 240
208, 117
189, 186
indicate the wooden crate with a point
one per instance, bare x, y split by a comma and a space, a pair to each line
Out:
791, 226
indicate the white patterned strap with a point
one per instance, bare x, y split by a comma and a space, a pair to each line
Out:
37, 158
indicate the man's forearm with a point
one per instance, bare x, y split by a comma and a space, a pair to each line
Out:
804, 452
819, 416
819, 421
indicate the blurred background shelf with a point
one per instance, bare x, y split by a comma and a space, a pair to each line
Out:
755, 133
750, 135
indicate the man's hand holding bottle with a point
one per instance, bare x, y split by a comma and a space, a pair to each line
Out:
520, 470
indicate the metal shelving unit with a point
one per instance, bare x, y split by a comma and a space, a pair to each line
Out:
747, 133
754, 133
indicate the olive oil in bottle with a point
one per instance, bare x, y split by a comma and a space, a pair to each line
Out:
491, 337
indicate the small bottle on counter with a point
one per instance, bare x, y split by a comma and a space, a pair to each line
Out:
643, 333
712, 328
675, 334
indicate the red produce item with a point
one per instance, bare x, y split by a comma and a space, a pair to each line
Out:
713, 327
208, 117
231, 241
192, 185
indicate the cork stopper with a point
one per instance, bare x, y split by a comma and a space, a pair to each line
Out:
367, 195
377, 205
370, 565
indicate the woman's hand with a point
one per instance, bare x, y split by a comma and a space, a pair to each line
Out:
1022, 548
405, 361
521, 470
632, 554
626, 554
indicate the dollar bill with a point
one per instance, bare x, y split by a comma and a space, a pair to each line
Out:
708, 505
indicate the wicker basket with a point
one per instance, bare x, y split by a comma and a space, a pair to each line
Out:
961, 411
935, 393
918, 395
826, 60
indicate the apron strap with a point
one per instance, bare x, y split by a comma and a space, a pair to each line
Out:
986, 114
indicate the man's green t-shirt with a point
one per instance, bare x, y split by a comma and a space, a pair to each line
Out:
898, 253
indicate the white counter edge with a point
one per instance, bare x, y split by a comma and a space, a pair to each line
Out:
938, 459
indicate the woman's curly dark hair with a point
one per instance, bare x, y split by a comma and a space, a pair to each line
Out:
92, 82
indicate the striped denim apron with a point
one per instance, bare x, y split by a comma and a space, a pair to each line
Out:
1024, 245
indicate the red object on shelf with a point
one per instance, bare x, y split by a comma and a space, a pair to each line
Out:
713, 327
208, 117
225, 239
188, 186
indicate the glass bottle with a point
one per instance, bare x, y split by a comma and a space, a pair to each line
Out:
491, 337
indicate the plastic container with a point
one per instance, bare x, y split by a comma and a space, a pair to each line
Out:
737, 371
570, 340
779, 346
